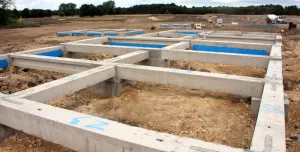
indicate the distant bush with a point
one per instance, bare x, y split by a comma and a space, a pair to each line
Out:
4, 17
61, 14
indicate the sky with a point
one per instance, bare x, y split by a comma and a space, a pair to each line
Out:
53, 4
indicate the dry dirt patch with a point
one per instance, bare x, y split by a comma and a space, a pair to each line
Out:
209, 116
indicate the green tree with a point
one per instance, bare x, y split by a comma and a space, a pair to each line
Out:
109, 7
3, 17
291, 10
88, 10
26, 13
92, 10
84, 10
16, 13
99, 11
48, 13
35, 13
61, 14
68, 9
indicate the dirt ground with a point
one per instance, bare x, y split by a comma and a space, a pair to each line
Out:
204, 115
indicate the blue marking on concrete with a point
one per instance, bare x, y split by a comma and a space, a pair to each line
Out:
56, 53
137, 45
77, 33
3, 63
186, 25
94, 34
187, 33
111, 34
98, 124
165, 25
225, 49
63, 34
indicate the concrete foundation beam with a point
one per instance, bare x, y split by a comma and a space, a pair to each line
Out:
130, 58
155, 40
58, 88
242, 45
148, 35
100, 40
181, 45
42, 50
269, 134
212, 57
255, 103
245, 86
104, 49
64, 65
247, 39
81, 132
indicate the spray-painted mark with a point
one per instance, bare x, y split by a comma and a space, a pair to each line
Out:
71, 78
98, 125
273, 109
181, 71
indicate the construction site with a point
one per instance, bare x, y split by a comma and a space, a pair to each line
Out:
122, 85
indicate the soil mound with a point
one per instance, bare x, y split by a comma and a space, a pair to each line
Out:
186, 19
142, 20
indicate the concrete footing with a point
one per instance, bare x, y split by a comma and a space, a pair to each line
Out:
5, 132
108, 88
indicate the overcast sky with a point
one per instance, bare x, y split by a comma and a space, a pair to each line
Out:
53, 4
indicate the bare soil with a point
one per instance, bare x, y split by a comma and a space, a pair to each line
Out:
41, 21
205, 115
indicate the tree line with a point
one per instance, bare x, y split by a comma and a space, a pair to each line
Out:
109, 8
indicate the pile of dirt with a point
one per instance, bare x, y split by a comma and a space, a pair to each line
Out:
139, 20
153, 18
41, 21
11, 82
98, 57
10, 48
186, 19
56, 40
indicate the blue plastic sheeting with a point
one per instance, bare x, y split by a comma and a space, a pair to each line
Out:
165, 25
137, 45
134, 33
63, 34
94, 34
229, 50
176, 25
187, 33
111, 34
56, 53
3, 63
77, 33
